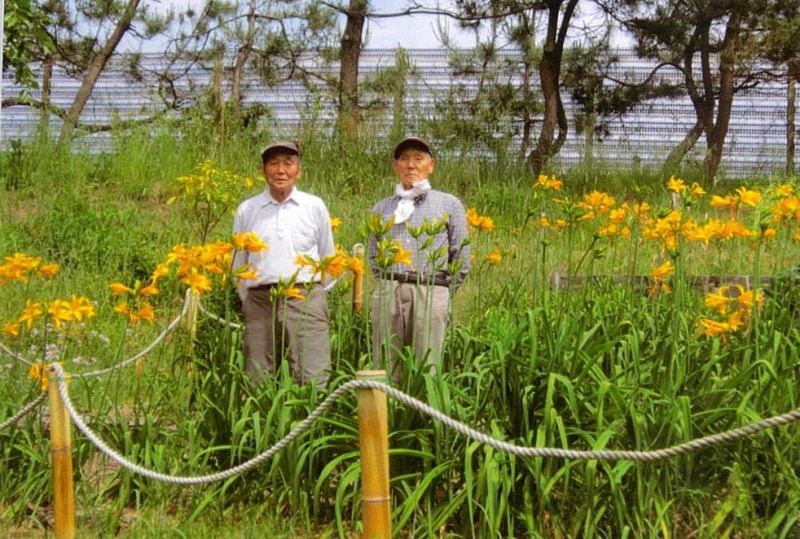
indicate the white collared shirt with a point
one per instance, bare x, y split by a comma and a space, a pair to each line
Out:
298, 225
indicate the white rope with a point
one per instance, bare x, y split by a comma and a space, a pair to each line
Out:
644, 456
216, 318
15, 355
25, 410
196, 480
172, 325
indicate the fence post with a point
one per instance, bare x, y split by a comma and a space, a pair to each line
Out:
191, 306
373, 433
61, 459
358, 280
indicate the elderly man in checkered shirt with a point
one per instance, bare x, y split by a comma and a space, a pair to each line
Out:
410, 304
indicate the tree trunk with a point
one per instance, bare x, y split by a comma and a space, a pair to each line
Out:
348, 119
527, 72
677, 154
715, 137
527, 121
95, 69
44, 112
791, 94
588, 142
563, 126
549, 78
241, 61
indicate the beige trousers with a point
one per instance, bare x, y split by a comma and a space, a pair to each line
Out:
287, 328
405, 314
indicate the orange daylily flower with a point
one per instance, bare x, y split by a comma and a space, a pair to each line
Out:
120, 289
495, 257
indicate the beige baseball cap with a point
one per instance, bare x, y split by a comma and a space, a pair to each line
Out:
279, 145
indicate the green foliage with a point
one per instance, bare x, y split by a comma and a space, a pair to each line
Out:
25, 39
601, 366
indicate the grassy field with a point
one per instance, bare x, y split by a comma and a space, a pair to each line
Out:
596, 366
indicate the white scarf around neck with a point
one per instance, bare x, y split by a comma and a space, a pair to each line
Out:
406, 205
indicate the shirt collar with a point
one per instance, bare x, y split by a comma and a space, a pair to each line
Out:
266, 197
417, 199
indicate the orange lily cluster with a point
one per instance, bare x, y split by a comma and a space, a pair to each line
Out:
249, 241
495, 257
544, 222
733, 202
20, 267
667, 230
594, 203
38, 372
677, 185
658, 278
733, 304
479, 222
786, 210
61, 311
143, 310
550, 182
331, 266
390, 252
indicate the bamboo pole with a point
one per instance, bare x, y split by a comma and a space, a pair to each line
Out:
373, 433
358, 280
192, 306
61, 459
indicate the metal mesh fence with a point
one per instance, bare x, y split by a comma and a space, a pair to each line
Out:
755, 144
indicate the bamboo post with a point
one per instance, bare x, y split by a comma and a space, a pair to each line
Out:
373, 433
190, 315
358, 280
61, 459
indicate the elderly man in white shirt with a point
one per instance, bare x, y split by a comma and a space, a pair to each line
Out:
291, 223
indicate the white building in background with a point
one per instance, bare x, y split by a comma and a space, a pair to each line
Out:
755, 145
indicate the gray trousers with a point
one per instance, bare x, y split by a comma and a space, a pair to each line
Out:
294, 329
405, 314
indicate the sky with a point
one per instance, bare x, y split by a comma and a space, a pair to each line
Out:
418, 31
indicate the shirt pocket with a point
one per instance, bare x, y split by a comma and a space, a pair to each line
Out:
304, 238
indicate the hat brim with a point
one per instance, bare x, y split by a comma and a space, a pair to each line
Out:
415, 144
278, 149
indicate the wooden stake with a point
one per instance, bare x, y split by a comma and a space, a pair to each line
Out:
61, 459
373, 430
190, 318
358, 280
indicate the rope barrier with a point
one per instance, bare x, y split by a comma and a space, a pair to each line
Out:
216, 318
14, 355
172, 325
124, 363
200, 479
520, 451
640, 456
25, 410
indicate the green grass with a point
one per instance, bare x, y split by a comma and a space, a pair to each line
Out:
597, 367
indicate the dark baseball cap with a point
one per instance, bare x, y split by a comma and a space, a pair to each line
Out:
280, 146
412, 142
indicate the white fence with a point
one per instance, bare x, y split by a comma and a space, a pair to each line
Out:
755, 145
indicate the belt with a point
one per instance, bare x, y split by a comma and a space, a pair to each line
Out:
411, 277
268, 286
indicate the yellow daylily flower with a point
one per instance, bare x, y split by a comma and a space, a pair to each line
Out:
495, 257
31, 311
120, 289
